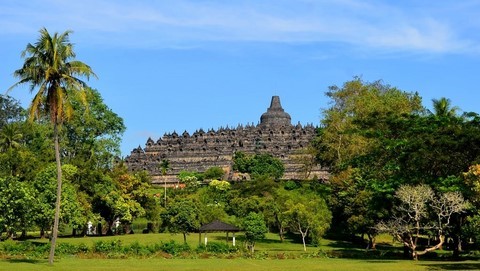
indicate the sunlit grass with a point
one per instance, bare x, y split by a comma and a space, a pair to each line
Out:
75, 264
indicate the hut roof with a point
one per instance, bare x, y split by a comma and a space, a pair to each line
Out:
218, 225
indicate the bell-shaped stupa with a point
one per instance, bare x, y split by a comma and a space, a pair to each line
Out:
275, 115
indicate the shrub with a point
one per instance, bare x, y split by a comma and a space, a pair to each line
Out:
174, 248
216, 247
70, 249
107, 247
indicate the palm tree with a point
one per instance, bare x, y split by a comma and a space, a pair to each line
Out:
443, 108
51, 67
10, 137
10, 141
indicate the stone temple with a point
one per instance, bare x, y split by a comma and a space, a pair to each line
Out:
205, 149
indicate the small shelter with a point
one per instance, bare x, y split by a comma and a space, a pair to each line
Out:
217, 226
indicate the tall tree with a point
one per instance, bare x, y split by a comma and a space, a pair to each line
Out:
51, 68
353, 102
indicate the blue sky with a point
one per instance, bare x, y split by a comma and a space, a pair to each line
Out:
167, 66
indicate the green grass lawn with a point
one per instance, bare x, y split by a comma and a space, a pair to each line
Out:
288, 255
233, 264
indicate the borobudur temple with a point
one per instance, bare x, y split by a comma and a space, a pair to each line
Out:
205, 149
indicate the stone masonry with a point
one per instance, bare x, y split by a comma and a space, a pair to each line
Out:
201, 150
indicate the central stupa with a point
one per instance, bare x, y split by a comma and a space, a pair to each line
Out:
275, 115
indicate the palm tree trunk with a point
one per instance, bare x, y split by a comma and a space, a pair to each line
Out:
59, 194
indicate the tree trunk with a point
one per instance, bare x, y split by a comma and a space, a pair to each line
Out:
372, 244
184, 238
281, 234
59, 194
457, 238
42, 233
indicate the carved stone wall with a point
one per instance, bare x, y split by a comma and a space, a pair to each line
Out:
204, 149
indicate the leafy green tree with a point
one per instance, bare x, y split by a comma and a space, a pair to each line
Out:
275, 211
120, 195
214, 173
255, 229
10, 110
10, 137
353, 102
307, 213
91, 138
356, 206
16, 202
50, 65
242, 206
219, 185
182, 216
71, 212
25, 149
10, 143
258, 165
190, 179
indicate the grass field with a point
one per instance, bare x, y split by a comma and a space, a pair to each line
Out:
74, 264
288, 255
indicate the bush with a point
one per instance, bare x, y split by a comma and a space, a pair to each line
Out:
290, 185
107, 247
71, 249
140, 250
217, 247
32, 249
174, 248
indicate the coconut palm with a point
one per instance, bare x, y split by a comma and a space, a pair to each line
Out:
50, 68
10, 137
443, 108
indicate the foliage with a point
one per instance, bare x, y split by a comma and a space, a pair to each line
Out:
214, 173
352, 102
92, 136
421, 210
258, 165
216, 247
181, 216
219, 185
255, 229
190, 179
307, 213
120, 194
10, 110
44, 186
50, 65
17, 200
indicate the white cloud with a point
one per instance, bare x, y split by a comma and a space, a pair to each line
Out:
369, 24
